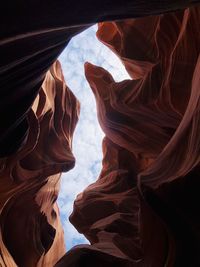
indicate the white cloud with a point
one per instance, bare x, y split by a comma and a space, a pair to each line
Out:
88, 134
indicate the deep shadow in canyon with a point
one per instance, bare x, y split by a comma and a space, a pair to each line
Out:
143, 210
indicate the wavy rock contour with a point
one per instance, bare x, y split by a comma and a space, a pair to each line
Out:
143, 209
147, 213
31, 232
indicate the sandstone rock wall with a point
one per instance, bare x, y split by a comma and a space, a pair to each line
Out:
31, 232
143, 210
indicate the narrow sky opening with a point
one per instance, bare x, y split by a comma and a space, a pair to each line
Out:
88, 134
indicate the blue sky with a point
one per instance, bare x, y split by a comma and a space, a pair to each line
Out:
88, 135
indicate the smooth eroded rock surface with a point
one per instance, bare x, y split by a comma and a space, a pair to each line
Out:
143, 210
33, 34
31, 232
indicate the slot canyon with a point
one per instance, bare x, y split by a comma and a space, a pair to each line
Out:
143, 209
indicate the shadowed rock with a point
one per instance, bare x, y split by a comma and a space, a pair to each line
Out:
31, 232
143, 209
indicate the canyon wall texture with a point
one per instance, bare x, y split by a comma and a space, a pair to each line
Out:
143, 210
31, 232
33, 34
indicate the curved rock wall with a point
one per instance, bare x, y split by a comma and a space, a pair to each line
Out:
31, 232
144, 208
33, 34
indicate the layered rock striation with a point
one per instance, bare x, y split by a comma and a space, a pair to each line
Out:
33, 34
143, 209
31, 232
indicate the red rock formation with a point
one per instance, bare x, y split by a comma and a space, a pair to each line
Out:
31, 232
163, 98
137, 213
49, 27
142, 210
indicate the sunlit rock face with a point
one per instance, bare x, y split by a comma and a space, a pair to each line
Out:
31, 232
143, 209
